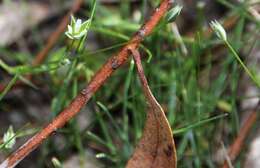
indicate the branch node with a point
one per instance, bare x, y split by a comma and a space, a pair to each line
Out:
114, 63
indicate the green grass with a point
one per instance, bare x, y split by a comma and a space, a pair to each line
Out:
190, 87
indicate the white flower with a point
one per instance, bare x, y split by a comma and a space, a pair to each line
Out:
77, 29
219, 30
64, 62
9, 138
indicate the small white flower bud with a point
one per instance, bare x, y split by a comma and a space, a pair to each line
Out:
173, 13
77, 29
9, 138
219, 30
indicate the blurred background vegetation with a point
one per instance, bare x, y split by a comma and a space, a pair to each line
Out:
203, 89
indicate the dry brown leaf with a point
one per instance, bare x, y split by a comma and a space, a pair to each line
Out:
156, 148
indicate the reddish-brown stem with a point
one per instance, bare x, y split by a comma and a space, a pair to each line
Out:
82, 98
237, 145
146, 88
2, 87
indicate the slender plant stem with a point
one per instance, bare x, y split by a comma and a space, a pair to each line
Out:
9, 86
94, 5
242, 64
5, 67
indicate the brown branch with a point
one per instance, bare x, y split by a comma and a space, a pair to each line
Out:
83, 97
238, 144
40, 57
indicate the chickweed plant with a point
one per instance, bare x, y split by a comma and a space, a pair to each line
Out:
200, 92
222, 35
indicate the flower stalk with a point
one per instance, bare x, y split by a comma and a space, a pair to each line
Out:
222, 35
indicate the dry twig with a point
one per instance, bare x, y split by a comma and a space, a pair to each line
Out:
238, 144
